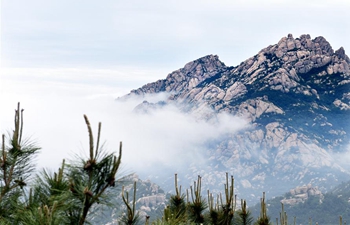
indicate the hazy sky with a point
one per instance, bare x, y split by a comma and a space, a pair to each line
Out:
63, 58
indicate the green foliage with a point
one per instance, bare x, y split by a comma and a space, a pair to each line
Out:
175, 212
131, 217
65, 197
46, 215
222, 213
229, 206
48, 201
16, 167
197, 204
198, 210
244, 216
263, 219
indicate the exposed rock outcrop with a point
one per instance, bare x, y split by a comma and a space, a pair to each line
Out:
296, 96
186, 78
301, 194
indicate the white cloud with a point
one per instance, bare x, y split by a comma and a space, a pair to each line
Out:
170, 137
54, 107
55, 100
343, 158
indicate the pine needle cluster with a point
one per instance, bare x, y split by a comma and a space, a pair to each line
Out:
63, 197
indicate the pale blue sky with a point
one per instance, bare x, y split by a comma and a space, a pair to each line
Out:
63, 58
154, 33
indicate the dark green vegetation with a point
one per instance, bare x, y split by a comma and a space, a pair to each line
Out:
192, 208
65, 197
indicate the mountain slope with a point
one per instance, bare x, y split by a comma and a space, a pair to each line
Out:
295, 95
308, 202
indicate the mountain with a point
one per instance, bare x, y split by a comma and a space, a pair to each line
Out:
308, 202
295, 95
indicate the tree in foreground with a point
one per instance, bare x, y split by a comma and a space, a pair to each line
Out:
90, 178
198, 210
131, 217
65, 197
175, 212
197, 204
223, 212
263, 219
16, 168
244, 216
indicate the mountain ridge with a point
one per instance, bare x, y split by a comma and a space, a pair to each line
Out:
320, 54
295, 94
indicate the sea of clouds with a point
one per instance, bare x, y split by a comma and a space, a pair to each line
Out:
55, 101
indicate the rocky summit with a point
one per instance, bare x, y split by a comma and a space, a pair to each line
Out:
296, 97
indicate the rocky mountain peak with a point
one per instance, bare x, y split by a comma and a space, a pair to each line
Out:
193, 73
207, 63
296, 96
278, 67
303, 54
340, 53
319, 45
185, 78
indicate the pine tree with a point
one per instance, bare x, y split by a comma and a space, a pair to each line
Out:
175, 212
197, 204
90, 178
65, 197
16, 168
131, 217
48, 201
229, 206
243, 215
263, 219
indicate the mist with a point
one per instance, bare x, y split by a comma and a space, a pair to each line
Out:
163, 139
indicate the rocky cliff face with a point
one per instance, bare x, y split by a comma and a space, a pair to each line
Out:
296, 96
301, 194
